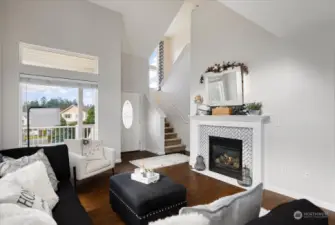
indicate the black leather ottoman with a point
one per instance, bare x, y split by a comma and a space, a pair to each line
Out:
138, 204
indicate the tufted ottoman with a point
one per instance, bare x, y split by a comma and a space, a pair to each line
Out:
138, 204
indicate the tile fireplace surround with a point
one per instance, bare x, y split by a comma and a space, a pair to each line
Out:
249, 129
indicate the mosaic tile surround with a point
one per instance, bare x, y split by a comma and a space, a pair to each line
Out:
243, 133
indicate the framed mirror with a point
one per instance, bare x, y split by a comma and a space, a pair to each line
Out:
225, 88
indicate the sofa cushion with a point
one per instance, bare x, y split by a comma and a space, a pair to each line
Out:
13, 193
297, 212
34, 178
93, 150
96, 165
12, 165
58, 157
69, 210
237, 209
74, 145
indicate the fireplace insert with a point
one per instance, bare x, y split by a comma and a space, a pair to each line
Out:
225, 156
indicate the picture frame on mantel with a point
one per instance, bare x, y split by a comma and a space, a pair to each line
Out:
225, 88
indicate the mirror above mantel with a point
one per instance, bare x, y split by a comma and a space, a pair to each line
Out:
224, 88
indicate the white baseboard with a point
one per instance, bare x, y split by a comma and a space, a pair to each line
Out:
118, 160
292, 194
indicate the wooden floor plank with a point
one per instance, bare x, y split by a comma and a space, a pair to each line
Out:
94, 195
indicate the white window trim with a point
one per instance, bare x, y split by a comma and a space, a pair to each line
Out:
23, 46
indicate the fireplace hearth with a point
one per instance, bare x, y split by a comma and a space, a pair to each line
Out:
225, 156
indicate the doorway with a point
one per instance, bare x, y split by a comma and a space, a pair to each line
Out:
131, 125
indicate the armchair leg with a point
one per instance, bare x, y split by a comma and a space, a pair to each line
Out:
74, 177
113, 171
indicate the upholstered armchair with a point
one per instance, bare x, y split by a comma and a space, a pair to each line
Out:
89, 158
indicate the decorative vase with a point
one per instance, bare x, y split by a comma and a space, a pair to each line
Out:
200, 164
255, 112
246, 178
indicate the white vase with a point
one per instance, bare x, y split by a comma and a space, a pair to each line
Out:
255, 112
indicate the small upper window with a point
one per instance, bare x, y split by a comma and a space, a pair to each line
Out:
67, 116
34, 55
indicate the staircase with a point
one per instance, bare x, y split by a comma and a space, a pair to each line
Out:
172, 142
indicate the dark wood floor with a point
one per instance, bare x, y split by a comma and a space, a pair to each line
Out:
93, 192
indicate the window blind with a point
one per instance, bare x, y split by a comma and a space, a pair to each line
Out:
51, 81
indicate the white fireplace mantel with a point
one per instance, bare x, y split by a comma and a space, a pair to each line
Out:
256, 123
237, 118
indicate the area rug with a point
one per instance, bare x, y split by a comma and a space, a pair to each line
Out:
160, 161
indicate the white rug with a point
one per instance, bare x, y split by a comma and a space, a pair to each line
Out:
161, 161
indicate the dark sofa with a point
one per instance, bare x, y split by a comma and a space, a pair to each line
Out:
69, 210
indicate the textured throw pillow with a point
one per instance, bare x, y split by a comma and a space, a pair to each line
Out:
236, 209
11, 192
9, 166
189, 219
93, 150
34, 178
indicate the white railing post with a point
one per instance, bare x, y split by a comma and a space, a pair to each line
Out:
80, 114
77, 132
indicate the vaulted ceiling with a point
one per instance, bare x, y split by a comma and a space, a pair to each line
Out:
145, 22
286, 17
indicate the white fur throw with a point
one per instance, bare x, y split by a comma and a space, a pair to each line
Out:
12, 214
187, 219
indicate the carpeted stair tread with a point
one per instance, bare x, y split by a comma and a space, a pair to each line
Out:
175, 148
168, 129
172, 141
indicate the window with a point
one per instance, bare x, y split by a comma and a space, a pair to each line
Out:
153, 70
69, 96
34, 55
127, 114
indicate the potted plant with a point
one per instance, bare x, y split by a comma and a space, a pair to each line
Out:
254, 108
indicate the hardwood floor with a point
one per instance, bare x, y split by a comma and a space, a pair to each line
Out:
94, 195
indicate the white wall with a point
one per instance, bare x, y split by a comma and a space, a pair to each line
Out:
179, 41
295, 81
155, 125
135, 78
135, 74
1, 47
180, 29
77, 26
175, 96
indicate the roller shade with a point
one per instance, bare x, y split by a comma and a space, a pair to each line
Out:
51, 81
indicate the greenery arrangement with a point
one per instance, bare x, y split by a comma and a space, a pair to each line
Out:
254, 106
218, 68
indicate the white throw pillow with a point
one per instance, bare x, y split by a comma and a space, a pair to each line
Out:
93, 150
188, 219
74, 146
12, 214
34, 178
10, 165
13, 193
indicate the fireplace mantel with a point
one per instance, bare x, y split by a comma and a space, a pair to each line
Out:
262, 119
250, 127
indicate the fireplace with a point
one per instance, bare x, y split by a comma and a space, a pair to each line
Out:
225, 156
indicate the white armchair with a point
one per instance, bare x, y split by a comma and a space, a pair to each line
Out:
83, 166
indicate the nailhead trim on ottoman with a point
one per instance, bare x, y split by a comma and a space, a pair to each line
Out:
139, 204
